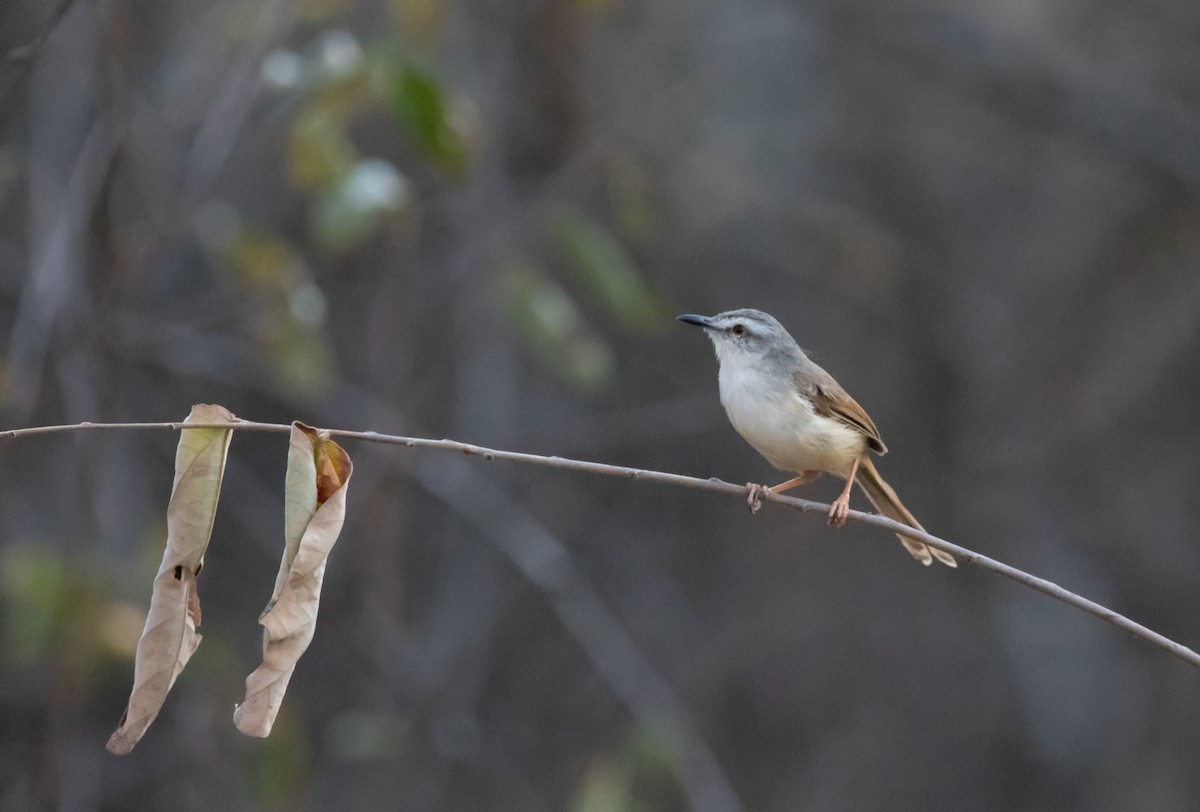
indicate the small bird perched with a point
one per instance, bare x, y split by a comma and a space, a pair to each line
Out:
797, 416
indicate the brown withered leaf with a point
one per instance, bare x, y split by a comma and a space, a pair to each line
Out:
333, 469
170, 638
314, 509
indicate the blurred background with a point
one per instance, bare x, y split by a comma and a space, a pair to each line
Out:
477, 220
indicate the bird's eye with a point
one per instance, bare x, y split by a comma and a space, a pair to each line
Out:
738, 329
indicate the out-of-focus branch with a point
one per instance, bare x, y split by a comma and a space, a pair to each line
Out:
547, 564
53, 272
21, 57
26, 52
663, 478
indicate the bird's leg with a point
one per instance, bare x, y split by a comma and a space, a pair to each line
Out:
796, 481
754, 493
840, 508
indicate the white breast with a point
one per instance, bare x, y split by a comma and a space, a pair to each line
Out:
783, 427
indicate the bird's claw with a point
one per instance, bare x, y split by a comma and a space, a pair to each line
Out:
754, 496
838, 512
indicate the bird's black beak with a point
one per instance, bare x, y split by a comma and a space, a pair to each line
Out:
692, 318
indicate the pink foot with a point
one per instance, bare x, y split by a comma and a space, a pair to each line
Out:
838, 511
754, 496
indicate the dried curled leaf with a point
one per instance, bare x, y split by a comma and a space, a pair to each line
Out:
314, 510
170, 638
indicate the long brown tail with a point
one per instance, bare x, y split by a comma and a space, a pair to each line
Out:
886, 502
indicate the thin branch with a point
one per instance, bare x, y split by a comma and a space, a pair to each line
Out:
663, 478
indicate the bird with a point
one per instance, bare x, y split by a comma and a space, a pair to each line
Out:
799, 418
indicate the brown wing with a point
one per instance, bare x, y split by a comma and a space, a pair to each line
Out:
831, 400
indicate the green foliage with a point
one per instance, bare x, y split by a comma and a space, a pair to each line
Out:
548, 318
34, 586
419, 103
361, 203
58, 613
291, 324
606, 271
607, 787
639, 777
352, 197
319, 149
300, 354
281, 762
553, 329
418, 20
262, 261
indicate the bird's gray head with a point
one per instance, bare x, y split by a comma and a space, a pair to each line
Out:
745, 336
